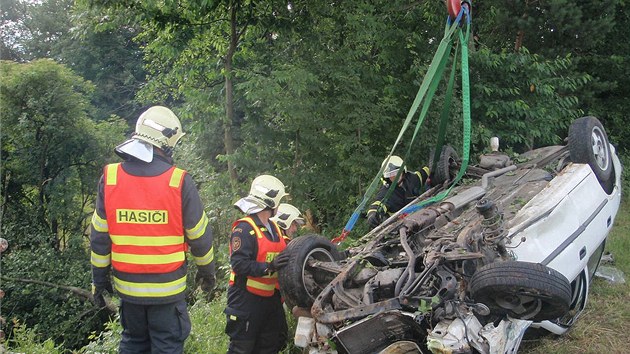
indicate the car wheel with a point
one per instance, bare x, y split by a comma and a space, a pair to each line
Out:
588, 143
447, 167
299, 281
528, 291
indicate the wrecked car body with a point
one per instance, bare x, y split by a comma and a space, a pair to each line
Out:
515, 246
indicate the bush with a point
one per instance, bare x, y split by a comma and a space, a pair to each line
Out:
25, 340
37, 284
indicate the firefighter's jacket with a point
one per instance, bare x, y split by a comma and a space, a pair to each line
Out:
252, 246
146, 217
411, 187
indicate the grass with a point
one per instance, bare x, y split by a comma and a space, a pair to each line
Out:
604, 326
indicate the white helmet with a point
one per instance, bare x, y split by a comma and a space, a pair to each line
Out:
265, 192
267, 189
286, 215
393, 165
158, 126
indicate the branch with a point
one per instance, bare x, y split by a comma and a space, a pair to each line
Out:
73, 289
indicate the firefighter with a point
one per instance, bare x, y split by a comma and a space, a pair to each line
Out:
148, 213
254, 312
289, 219
409, 186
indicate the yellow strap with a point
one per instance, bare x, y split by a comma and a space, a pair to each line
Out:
176, 178
112, 174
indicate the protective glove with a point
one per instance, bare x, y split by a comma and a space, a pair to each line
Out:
207, 283
98, 292
206, 278
279, 262
374, 219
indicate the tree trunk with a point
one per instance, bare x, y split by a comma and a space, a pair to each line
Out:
228, 139
520, 35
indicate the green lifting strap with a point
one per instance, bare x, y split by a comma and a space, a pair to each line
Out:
463, 39
444, 115
425, 108
425, 95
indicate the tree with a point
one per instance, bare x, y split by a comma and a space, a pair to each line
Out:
587, 33
69, 34
51, 149
191, 47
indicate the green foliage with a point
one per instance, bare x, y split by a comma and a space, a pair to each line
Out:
51, 149
52, 153
50, 311
32, 29
208, 325
106, 341
523, 98
25, 340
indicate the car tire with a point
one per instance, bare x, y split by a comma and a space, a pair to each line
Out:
588, 143
299, 282
446, 168
529, 291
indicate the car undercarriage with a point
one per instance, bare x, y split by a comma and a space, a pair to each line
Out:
469, 273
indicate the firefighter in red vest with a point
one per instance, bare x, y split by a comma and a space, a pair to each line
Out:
148, 214
254, 312
289, 219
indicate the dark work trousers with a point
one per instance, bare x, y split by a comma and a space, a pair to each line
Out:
154, 328
255, 324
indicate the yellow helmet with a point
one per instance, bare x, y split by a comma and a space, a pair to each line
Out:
286, 215
267, 189
393, 165
160, 127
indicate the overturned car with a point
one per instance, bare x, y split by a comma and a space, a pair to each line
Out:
514, 247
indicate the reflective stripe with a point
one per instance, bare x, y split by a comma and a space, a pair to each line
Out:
176, 178
112, 174
100, 261
199, 229
124, 240
261, 286
99, 224
150, 289
426, 170
378, 204
205, 259
149, 258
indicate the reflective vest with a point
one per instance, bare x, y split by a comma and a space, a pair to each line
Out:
144, 215
267, 251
